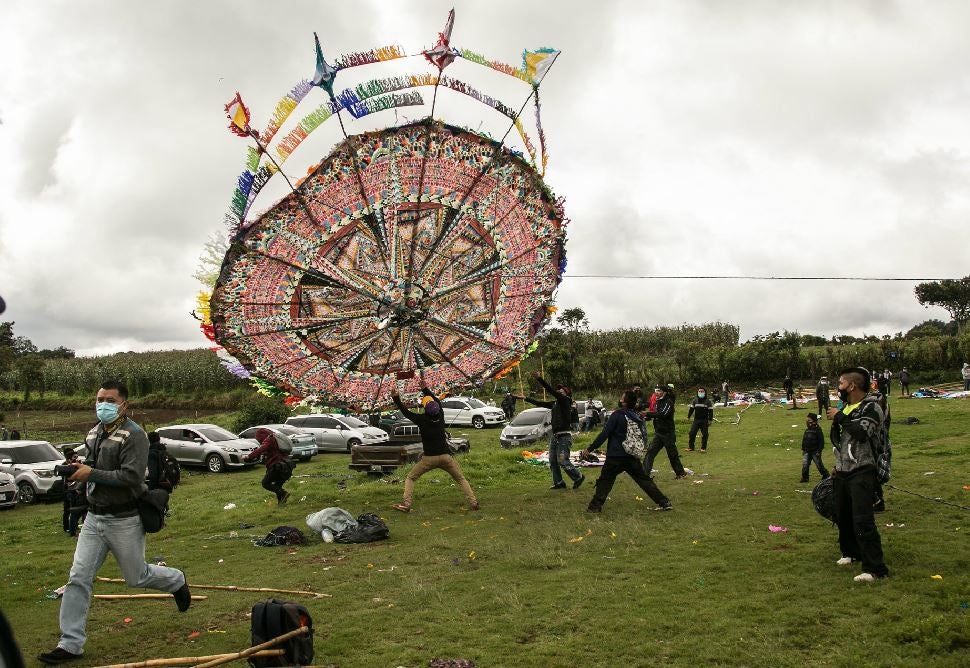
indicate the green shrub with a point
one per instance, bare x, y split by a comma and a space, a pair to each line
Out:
258, 409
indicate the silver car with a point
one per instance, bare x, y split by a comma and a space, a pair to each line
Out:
32, 463
8, 491
338, 433
206, 445
527, 427
302, 445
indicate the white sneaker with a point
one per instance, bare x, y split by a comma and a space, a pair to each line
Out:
844, 561
865, 577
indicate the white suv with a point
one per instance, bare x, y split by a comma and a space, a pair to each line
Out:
469, 410
338, 433
32, 463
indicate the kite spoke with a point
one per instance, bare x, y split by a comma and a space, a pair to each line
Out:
365, 290
297, 328
380, 385
472, 335
444, 357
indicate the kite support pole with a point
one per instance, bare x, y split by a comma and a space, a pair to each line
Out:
270, 590
252, 650
187, 660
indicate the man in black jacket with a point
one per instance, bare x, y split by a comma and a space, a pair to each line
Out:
703, 411
434, 442
813, 442
561, 441
664, 432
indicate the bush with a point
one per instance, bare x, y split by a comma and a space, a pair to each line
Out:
258, 409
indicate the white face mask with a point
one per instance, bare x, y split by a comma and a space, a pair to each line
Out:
701, 395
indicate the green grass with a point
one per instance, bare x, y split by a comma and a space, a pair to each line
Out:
512, 586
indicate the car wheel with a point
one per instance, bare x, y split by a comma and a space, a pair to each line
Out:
478, 422
215, 464
26, 493
351, 443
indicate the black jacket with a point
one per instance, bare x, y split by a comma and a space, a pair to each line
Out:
813, 440
663, 415
434, 440
156, 466
562, 408
701, 409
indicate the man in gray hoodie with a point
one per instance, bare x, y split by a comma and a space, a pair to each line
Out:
856, 435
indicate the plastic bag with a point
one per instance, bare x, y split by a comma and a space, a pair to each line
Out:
369, 528
334, 519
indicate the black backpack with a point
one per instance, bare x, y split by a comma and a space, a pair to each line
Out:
272, 619
171, 471
282, 535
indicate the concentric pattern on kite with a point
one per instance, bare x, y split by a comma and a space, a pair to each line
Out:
422, 254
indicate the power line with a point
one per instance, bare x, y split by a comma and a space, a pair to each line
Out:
760, 278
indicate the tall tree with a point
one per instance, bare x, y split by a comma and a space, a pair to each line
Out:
951, 294
575, 323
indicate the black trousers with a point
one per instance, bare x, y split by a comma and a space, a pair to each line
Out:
813, 457
612, 468
703, 426
666, 442
74, 511
823, 405
275, 478
858, 535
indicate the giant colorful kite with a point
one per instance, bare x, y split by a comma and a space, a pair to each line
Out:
420, 254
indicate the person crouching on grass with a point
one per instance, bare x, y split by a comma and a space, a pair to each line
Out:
619, 460
434, 443
279, 468
856, 430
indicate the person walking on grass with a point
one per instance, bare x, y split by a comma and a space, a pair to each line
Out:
115, 478
965, 372
856, 434
822, 394
508, 405
702, 410
813, 442
904, 381
437, 452
789, 386
619, 459
724, 392
561, 440
664, 431
279, 467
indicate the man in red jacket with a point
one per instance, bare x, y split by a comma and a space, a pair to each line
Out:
279, 467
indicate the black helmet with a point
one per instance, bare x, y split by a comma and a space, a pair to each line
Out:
823, 498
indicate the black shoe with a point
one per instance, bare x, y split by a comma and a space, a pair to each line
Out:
803, 480
594, 509
56, 656
183, 598
577, 483
879, 507
666, 506
559, 485
283, 497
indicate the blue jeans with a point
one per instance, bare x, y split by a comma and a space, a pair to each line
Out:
559, 448
124, 537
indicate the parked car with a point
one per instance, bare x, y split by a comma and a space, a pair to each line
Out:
399, 429
302, 445
529, 426
338, 433
8, 491
32, 463
471, 411
206, 445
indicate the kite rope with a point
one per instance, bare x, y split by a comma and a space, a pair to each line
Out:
928, 498
759, 278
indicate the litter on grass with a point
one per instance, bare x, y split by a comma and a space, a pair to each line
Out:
776, 529
229, 506
936, 577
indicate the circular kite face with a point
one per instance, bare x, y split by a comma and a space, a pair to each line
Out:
441, 279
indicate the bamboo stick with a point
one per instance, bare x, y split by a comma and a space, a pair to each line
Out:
119, 597
236, 588
252, 650
186, 660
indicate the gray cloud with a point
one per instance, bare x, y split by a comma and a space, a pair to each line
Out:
689, 138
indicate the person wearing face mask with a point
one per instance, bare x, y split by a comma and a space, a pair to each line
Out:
856, 435
664, 432
114, 474
703, 411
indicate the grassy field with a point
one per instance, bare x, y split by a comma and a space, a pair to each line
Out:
533, 580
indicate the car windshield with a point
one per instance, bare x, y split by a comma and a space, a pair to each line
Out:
527, 418
216, 434
353, 422
286, 429
33, 454
475, 403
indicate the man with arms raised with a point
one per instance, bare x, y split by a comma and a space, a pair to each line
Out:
856, 437
115, 477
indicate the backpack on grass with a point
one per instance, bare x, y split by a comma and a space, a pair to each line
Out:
171, 471
273, 618
282, 535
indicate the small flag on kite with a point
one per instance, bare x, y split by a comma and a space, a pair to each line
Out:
325, 73
238, 116
535, 63
442, 54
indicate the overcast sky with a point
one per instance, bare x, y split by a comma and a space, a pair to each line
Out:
688, 137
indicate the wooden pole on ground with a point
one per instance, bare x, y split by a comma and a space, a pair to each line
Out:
252, 650
235, 588
119, 597
186, 660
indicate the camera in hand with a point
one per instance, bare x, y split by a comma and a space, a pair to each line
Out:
65, 470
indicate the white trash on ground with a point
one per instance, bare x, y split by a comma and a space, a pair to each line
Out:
333, 520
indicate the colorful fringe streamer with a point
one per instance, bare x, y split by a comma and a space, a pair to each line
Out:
202, 307
238, 115
478, 58
394, 100
266, 389
377, 55
284, 108
542, 135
